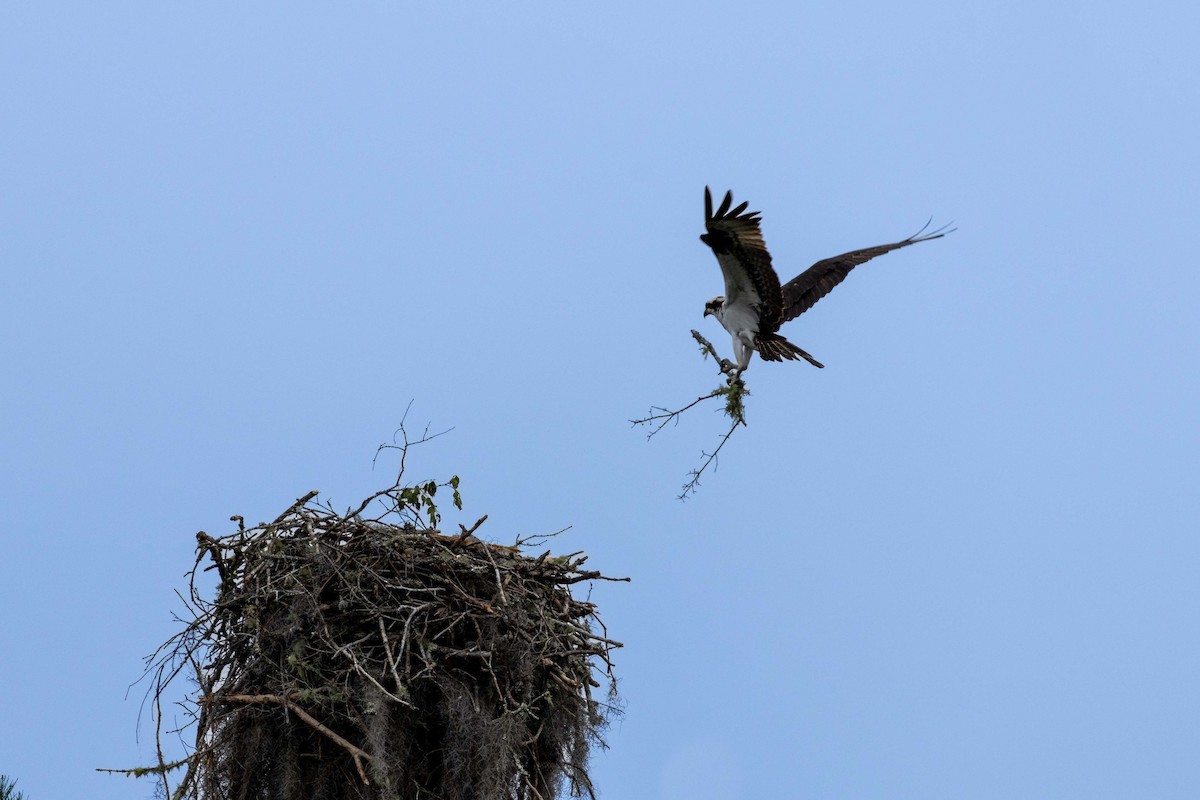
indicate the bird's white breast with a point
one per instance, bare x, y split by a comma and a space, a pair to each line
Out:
738, 317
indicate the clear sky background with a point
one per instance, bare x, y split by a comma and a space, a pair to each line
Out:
961, 561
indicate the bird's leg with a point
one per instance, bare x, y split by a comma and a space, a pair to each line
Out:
742, 350
733, 371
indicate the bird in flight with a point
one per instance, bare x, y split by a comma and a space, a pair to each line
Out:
754, 304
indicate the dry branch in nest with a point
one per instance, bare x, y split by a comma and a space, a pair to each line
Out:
352, 657
734, 392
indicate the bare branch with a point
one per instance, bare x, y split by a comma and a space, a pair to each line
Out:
693, 483
667, 415
467, 533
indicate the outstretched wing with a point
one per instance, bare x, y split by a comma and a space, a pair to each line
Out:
802, 292
736, 240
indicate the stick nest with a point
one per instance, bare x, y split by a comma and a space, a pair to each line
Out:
363, 658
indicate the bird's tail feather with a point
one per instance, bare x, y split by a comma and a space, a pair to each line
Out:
773, 347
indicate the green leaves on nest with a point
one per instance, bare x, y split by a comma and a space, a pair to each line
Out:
419, 499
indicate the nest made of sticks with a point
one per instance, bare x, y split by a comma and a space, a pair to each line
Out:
345, 657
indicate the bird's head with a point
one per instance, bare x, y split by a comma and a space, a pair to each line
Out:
714, 306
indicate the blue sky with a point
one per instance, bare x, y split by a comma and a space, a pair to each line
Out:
958, 562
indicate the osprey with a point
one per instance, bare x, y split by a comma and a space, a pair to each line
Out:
754, 304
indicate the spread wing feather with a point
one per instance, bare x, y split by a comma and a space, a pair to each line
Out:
736, 240
802, 292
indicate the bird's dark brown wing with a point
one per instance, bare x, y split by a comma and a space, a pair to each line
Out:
802, 292
736, 240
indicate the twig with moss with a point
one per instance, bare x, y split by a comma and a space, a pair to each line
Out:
734, 392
